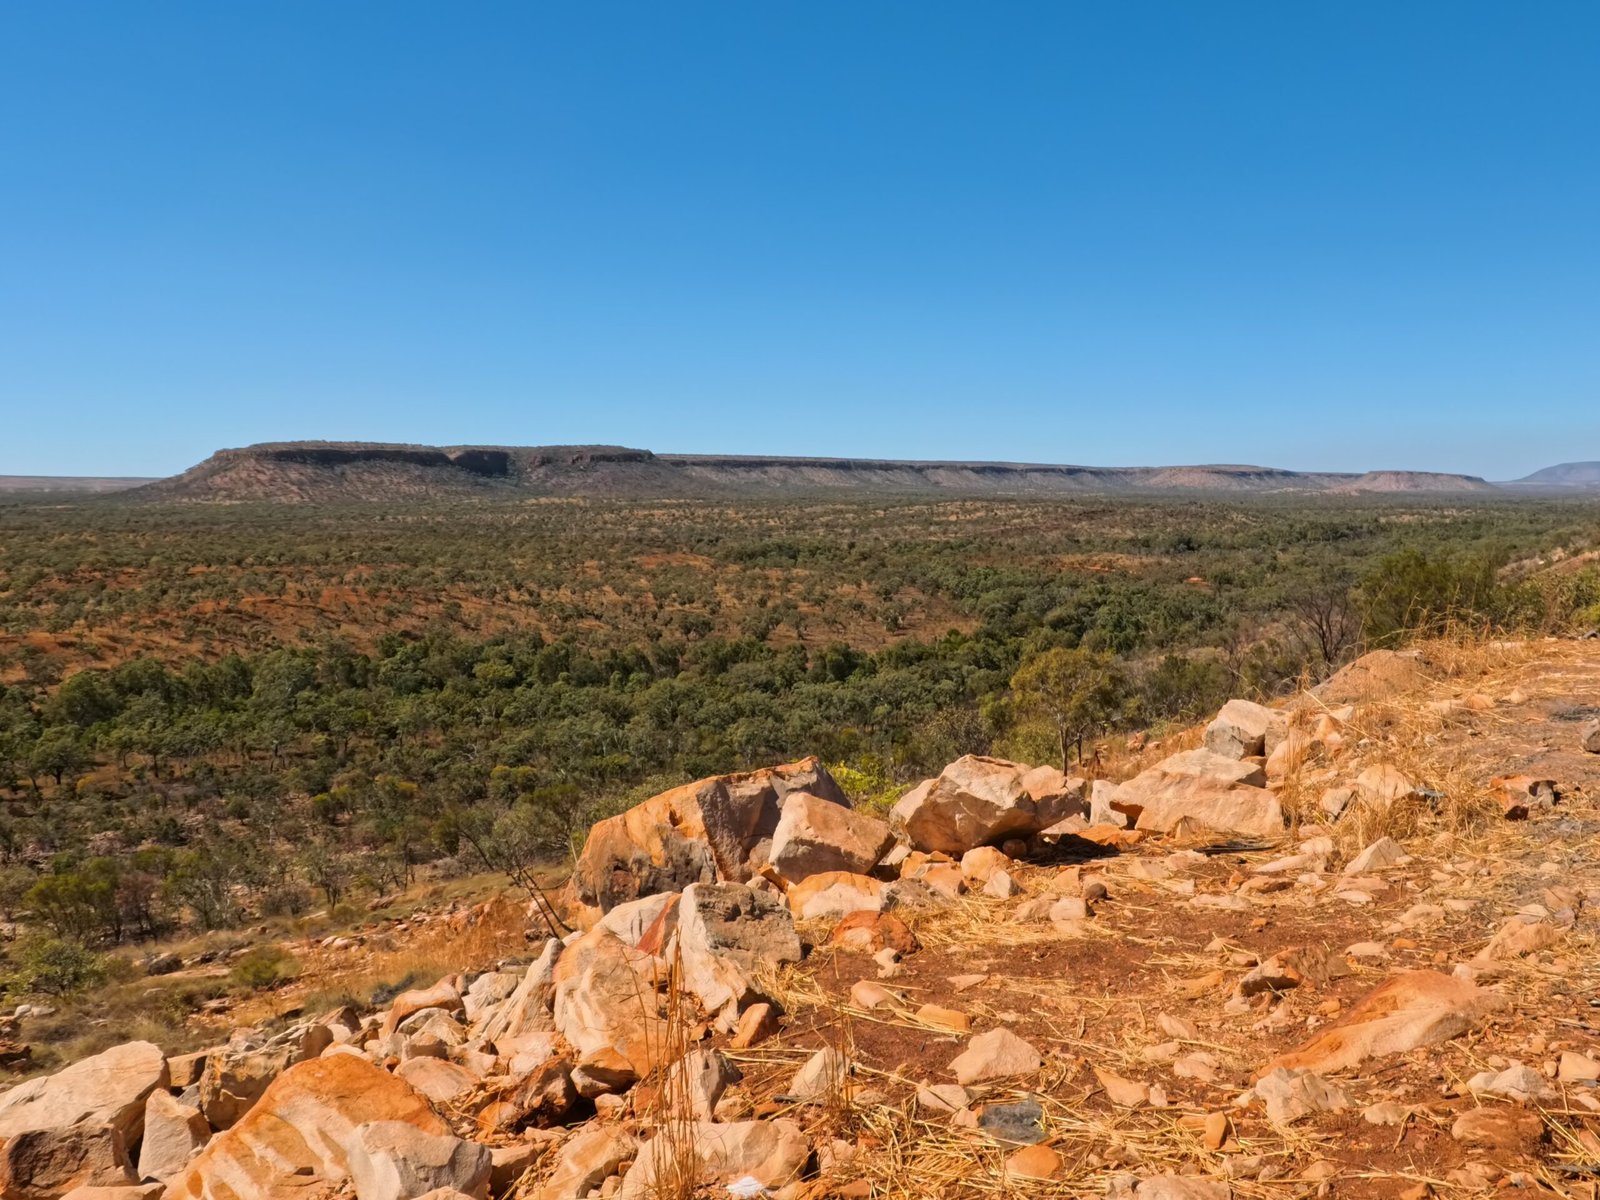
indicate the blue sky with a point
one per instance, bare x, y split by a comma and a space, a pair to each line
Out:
1342, 236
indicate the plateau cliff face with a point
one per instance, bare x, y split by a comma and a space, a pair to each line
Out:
324, 472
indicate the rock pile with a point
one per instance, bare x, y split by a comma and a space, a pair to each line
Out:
605, 1063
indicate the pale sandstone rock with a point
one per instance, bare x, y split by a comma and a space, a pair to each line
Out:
235, 1079
41, 1164
997, 1054
835, 894
591, 1157
108, 1089
977, 801
1206, 790
773, 1153
1291, 1095
529, 1007
1242, 730
606, 999
700, 1077
1383, 785
394, 1160
822, 1077
815, 835
174, 1133
438, 1079
1383, 853
725, 931
442, 995
1517, 938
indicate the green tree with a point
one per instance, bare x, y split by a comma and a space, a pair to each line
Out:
1078, 691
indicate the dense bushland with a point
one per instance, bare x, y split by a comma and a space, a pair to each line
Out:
213, 714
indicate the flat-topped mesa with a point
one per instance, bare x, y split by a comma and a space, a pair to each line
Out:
324, 471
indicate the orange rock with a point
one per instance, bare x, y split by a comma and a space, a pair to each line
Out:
1418, 1008
756, 1024
301, 1127
944, 1018
874, 931
709, 829
1035, 1162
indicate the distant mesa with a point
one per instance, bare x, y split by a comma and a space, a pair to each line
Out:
44, 485
1573, 475
335, 472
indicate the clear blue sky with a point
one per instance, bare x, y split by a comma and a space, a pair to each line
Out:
1347, 235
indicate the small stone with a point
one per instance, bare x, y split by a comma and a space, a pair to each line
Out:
942, 1098
1070, 908
1385, 1113
1035, 1162
1125, 1093
756, 1024
944, 1018
1497, 1129
823, 1075
997, 1054
1577, 1068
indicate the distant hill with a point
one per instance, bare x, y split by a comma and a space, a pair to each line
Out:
1584, 475
330, 472
35, 484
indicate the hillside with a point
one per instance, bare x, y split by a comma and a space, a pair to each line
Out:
307, 472
1358, 966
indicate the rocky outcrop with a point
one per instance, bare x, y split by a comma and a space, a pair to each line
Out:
718, 829
978, 801
303, 1128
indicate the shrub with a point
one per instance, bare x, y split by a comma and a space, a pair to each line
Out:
52, 967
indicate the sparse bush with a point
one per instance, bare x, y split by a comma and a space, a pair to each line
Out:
262, 968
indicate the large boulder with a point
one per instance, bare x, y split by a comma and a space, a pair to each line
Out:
1244, 729
772, 1153
42, 1164
107, 1089
979, 801
815, 835
301, 1131
725, 931
1205, 790
714, 829
607, 999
